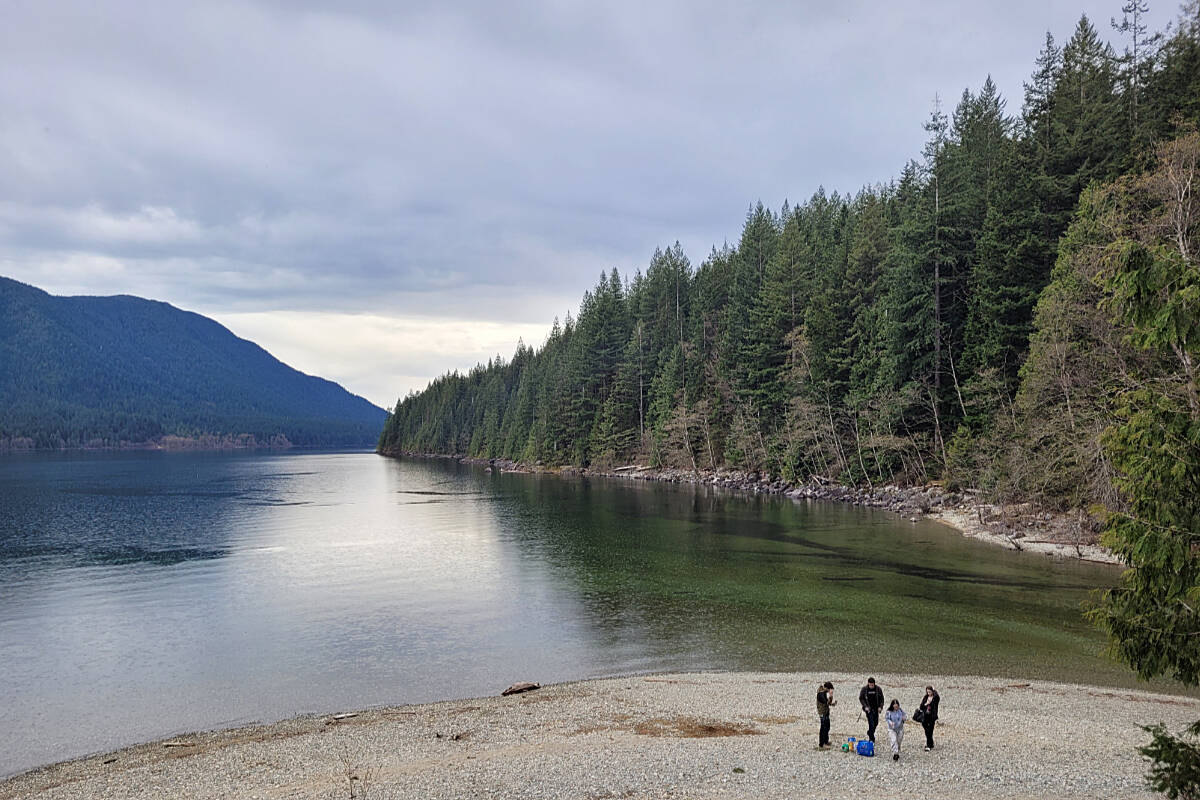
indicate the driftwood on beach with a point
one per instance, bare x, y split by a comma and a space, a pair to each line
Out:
520, 688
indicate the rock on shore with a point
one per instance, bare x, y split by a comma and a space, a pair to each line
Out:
706, 735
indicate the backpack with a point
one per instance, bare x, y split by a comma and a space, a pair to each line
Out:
865, 748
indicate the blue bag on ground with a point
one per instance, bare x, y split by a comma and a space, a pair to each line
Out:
866, 748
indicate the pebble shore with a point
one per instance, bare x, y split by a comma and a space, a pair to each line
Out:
703, 735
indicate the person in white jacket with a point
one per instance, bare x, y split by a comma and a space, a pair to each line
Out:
895, 727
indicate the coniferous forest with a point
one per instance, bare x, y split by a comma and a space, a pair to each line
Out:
981, 320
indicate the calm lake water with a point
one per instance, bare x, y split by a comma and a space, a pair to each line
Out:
147, 594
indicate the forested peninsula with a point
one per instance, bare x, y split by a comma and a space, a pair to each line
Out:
982, 320
125, 372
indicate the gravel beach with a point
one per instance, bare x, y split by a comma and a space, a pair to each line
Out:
702, 735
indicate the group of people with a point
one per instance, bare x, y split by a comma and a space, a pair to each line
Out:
870, 698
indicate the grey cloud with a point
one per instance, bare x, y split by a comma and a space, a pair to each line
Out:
417, 156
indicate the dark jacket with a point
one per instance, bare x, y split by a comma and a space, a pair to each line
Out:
930, 709
871, 699
822, 704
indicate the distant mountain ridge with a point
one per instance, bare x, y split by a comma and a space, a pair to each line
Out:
125, 371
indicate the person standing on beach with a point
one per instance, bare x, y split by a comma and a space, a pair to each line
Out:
895, 726
929, 714
870, 697
825, 702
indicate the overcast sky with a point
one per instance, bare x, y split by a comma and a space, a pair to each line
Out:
378, 192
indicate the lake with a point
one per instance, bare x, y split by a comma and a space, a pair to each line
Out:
147, 594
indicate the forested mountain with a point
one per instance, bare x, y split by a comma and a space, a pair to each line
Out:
950, 324
102, 371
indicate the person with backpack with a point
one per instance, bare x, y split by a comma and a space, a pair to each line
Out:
825, 702
870, 697
895, 718
927, 714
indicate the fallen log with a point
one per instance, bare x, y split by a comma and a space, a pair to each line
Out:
518, 688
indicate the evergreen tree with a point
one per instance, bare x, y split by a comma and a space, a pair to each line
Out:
1086, 116
1133, 63
744, 354
1149, 268
1172, 93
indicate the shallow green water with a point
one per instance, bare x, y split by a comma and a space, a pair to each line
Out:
770, 583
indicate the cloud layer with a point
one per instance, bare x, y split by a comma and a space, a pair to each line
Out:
445, 164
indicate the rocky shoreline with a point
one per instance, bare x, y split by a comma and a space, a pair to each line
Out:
1021, 527
698, 736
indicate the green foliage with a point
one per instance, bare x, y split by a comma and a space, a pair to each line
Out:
1152, 615
1148, 270
1144, 237
1070, 375
1176, 761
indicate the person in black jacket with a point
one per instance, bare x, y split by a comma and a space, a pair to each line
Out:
870, 697
825, 702
929, 711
